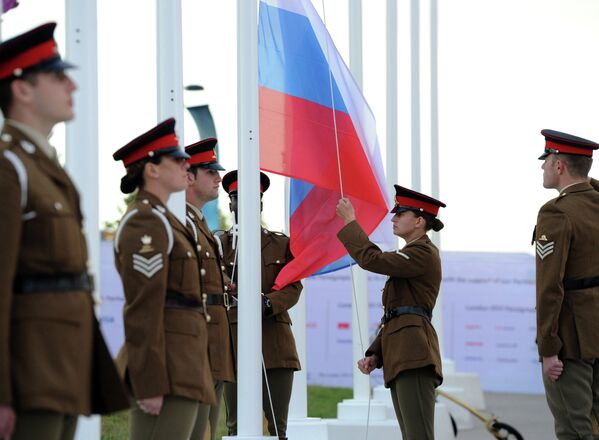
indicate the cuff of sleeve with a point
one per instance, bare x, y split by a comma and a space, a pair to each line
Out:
550, 346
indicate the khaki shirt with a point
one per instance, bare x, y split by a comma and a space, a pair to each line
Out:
220, 348
407, 341
278, 343
567, 247
52, 354
166, 349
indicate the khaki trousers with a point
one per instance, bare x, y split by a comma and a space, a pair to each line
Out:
574, 398
208, 414
44, 425
413, 395
280, 382
175, 421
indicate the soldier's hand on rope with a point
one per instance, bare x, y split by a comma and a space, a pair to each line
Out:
345, 210
367, 364
552, 367
151, 405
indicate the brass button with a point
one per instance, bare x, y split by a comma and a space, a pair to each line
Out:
207, 254
203, 272
57, 206
222, 268
6, 137
199, 247
145, 201
189, 254
161, 209
278, 261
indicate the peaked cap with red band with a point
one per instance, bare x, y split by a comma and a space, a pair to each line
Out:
203, 154
230, 184
33, 50
557, 142
159, 141
408, 200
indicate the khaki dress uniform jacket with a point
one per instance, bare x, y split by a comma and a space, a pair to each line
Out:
567, 243
166, 346
220, 349
52, 354
408, 341
278, 344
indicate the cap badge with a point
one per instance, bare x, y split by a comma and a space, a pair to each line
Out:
146, 242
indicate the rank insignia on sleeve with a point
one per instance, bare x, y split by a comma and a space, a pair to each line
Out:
146, 242
543, 238
147, 266
544, 250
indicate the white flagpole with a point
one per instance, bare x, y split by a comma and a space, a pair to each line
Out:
249, 362
391, 94
82, 142
436, 236
415, 80
360, 299
169, 65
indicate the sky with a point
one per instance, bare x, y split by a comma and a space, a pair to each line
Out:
507, 69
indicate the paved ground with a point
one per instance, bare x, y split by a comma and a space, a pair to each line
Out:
527, 413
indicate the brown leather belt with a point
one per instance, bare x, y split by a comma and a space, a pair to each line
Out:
178, 301
216, 299
405, 310
580, 283
54, 283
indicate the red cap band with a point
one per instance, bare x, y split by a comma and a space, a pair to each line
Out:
418, 204
235, 185
29, 58
568, 149
203, 157
170, 140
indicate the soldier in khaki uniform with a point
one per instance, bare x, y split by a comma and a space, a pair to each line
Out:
165, 356
278, 345
204, 182
54, 364
567, 261
406, 347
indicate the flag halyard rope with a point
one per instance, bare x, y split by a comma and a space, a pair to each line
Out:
324, 17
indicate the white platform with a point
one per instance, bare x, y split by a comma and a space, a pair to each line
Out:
382, 423
463, 418
312, 428
470, 383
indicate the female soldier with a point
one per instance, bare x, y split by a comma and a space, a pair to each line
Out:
165, 358
406, 347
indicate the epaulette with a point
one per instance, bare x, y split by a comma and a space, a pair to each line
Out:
158, 213
218, 232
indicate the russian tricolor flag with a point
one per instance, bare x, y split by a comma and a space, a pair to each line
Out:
297, 58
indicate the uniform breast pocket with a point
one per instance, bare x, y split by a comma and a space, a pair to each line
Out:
183, 276
273, 265
55, 235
